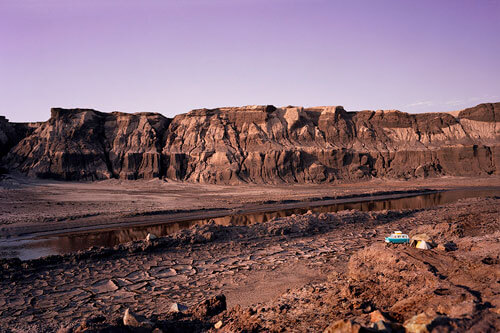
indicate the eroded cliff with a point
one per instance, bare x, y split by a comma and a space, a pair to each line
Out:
83, 144
261, 144
12, 133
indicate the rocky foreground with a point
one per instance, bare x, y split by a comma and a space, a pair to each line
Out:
255, 144
312, 272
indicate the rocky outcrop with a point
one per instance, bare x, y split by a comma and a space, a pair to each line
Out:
12, 133
7, 135
82, 144
261, 144
265, 144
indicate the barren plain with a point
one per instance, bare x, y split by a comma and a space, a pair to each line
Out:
297, 273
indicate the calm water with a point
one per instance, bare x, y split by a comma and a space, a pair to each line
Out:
38, 247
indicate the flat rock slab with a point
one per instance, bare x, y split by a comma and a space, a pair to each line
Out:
103, 286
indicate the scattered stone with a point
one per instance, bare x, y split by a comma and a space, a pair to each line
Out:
177, 307
382, 326
130, 319
150, 237
441, 247
104, 286
418, 323
376, 316
134, 320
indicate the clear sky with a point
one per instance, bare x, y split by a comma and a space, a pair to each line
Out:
173, 56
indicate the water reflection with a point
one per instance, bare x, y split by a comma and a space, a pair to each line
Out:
34, 248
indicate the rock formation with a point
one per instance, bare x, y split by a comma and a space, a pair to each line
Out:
12, 133
7, 135
259, 144
82, 144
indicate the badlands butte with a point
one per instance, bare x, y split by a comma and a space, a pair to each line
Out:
255, 144
85, 171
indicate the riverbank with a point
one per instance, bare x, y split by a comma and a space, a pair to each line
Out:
31, 206
313, 256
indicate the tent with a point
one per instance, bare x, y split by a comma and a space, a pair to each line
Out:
423, 245
422, 241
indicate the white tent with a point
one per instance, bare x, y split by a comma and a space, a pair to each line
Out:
423, 245
422, 241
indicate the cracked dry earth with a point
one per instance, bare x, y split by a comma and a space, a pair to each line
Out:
251, 265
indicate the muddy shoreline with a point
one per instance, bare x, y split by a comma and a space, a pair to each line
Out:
36, 245
30, 206
171, 216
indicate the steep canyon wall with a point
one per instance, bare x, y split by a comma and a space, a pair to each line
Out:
258, 144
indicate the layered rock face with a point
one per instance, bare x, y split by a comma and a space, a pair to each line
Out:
261, 144
12, 133
82, 144
267, 145
7, 135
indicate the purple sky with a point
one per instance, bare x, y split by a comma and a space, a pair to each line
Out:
173, 56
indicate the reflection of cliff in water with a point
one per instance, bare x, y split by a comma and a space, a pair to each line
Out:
109, 238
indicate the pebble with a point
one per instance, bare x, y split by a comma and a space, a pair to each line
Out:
133, 320
177, 307
150, 237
